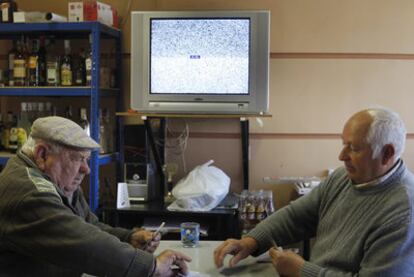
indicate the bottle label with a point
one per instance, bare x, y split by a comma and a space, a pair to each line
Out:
33, 62
5, 11
51, 75
88, 64
66, 75
19, 70
11, 61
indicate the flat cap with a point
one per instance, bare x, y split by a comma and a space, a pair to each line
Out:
62, 131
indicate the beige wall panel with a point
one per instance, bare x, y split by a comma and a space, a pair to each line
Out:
317, 96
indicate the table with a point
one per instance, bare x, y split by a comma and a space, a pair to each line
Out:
203, 263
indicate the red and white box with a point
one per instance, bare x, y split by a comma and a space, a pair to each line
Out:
91, 10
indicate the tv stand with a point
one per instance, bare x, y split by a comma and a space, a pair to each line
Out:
244, 124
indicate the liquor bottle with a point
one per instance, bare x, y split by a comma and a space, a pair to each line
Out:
260, 206
66, 67
88, 63
79, 70
13, 135
6, 131
11, 55
110, 131
33, 64
7, 7
19, 68
270, 208
42, 61
53, 66
103, 142
84, 123
69, 113
23, 123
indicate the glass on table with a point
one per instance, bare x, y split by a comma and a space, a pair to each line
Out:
190, 234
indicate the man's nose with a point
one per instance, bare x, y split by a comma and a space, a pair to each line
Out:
85, 167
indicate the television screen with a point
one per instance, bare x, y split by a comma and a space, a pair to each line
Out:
210, 62
200, 56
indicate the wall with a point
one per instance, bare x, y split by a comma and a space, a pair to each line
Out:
329, 58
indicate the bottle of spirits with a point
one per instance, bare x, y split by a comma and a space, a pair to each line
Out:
6, 131
79, 70
102, 134
109, 130
33, 65
23, 123
42, 61
19, 68
88, 63
53, 66
13, 135
69, 113
11, 55
84, 123
7, 7
66, 67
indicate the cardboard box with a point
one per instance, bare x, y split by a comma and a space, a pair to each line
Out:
91, 10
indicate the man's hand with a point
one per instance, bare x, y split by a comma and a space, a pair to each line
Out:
286, 262
170, 263
145, 240
239, 248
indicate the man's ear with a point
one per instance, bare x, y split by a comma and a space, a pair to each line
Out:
40, 156
388, 153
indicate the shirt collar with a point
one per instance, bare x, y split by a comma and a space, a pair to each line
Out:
380, 179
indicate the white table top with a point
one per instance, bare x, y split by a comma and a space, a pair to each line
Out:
202, 264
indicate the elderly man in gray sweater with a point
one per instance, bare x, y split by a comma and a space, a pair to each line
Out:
361, 216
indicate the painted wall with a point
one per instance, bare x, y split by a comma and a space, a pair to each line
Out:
329, 58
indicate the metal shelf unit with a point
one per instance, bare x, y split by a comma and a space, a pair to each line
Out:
77, 30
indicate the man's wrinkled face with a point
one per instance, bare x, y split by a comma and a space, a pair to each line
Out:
68, 168
356, 152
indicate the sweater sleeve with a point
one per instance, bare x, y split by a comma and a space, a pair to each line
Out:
52, 233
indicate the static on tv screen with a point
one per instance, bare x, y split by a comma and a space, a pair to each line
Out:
200, 56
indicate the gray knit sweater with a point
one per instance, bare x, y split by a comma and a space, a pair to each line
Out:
358, 232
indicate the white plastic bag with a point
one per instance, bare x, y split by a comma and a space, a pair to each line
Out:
201, 190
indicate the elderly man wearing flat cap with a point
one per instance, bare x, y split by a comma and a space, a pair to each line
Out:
46, 227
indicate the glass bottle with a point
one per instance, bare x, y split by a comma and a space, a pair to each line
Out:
33, 65
53, 66
23, 123
42, 61
102, 134
84, 123
270, 208
11, 55
66, 67
6, 131
19, 68
1, 132
88, 63
260, 206
79, 70
69, 113
13, 134
242, 211
7, 7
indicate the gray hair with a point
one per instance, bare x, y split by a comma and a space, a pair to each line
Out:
386, 128
30, 145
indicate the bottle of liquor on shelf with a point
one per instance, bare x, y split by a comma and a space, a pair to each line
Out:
88, 63
79, 70
66, 67
7, 7
260, 206
23, 123
69, 113
42, 61
270, 208
110, 131
33, 64
53, 66
84, 123
6, 131
13, 135
102, 134
11, 55
19, 68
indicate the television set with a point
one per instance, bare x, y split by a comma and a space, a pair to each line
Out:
202, 62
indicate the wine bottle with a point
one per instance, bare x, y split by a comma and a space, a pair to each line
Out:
66, 66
